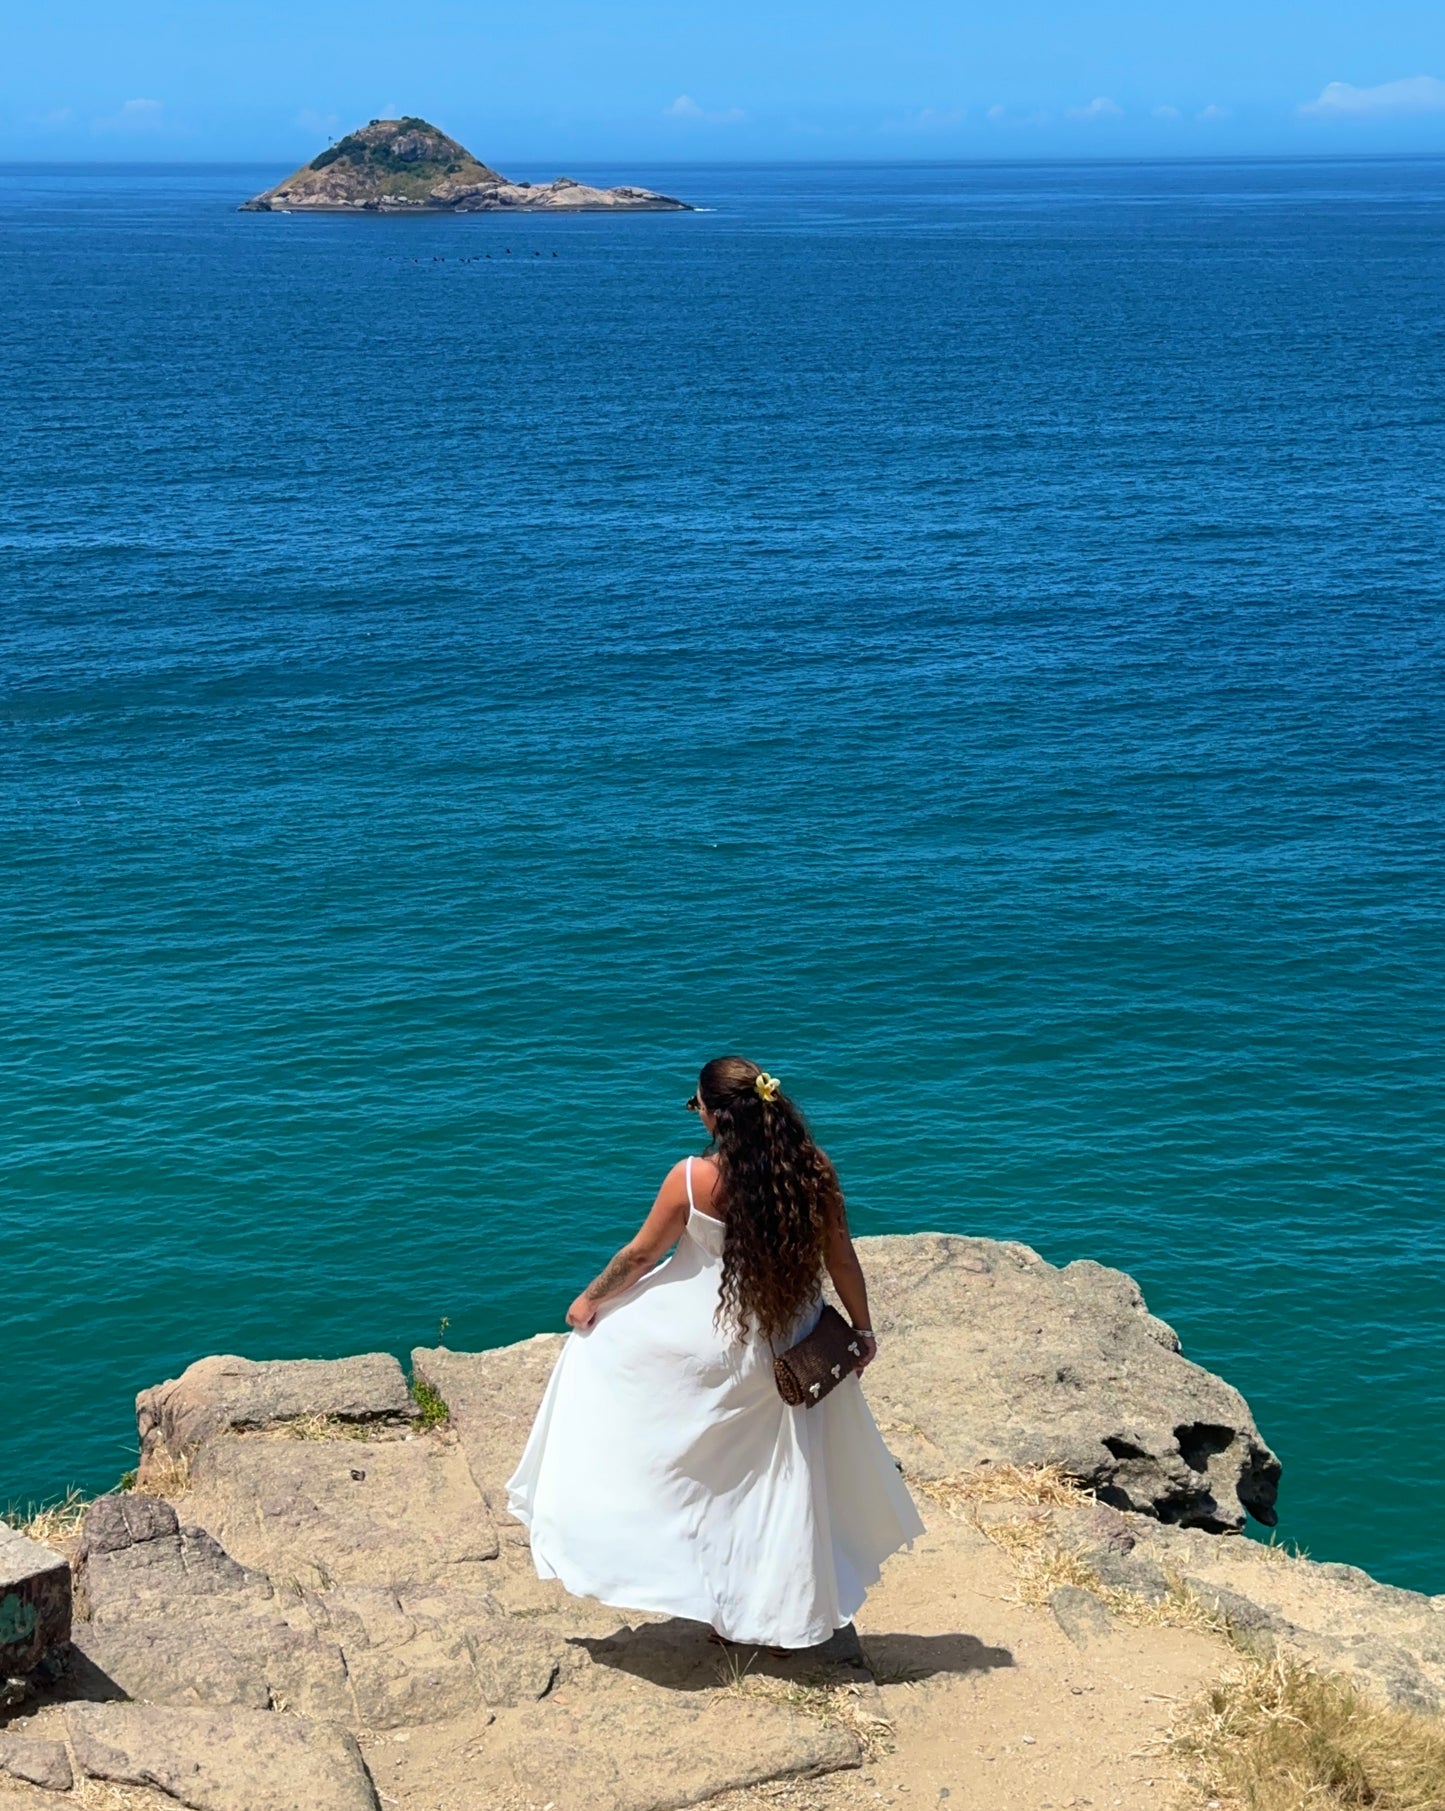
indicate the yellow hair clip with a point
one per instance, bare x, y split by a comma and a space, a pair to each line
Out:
766, 1085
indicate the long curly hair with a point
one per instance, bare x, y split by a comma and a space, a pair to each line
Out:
781, 1195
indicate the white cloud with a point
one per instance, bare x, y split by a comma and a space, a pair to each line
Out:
929, 119
320, 124
58, 116
685, 107
1166, 113
1342, 100
134, 116
1002, 116
1211, 112
1101, 107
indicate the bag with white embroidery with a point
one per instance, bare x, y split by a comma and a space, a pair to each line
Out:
819, 1362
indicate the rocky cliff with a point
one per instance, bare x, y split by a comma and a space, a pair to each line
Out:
406, 166
313, 1596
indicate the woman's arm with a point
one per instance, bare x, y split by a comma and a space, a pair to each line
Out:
659, 1232
847, 1278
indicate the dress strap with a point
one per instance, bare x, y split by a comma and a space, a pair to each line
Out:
688, 1172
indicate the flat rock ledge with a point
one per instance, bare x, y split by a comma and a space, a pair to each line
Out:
311, 1599
230, 1395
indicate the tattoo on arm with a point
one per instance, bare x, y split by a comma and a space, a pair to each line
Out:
617, 1275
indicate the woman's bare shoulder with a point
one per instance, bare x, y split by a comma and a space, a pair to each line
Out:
707, 1185
704, 1174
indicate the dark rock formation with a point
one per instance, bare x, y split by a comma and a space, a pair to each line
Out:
989, 1354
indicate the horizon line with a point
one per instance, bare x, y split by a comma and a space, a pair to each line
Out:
741, 163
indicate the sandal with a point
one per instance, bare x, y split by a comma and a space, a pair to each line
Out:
723, 1642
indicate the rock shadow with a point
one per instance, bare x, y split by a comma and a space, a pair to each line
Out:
679, 1656
64, 1676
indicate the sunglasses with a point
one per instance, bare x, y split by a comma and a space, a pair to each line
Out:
693, 1104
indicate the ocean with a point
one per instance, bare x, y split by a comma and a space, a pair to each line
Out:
966, 636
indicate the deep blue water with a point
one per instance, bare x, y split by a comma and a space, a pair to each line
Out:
969, 637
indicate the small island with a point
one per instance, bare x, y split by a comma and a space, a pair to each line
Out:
406, 166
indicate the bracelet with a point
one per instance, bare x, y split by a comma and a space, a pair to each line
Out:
868, 1333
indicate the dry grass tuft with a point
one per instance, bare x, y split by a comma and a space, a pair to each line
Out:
52, 1524
1181, 1609
1278, 1736
841, 1706
1284, 1552
318, 1427
1041, 1561
1033, 1484
1042, 1558
98, 1795
167, 1476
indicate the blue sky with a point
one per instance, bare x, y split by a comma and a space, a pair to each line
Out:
576, 79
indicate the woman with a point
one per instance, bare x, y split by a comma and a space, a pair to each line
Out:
664, 1472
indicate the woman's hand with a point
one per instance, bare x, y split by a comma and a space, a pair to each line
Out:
582, 1313
870, 1348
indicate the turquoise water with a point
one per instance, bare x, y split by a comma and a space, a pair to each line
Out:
969, 637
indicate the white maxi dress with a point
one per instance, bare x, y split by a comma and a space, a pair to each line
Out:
665, 1473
